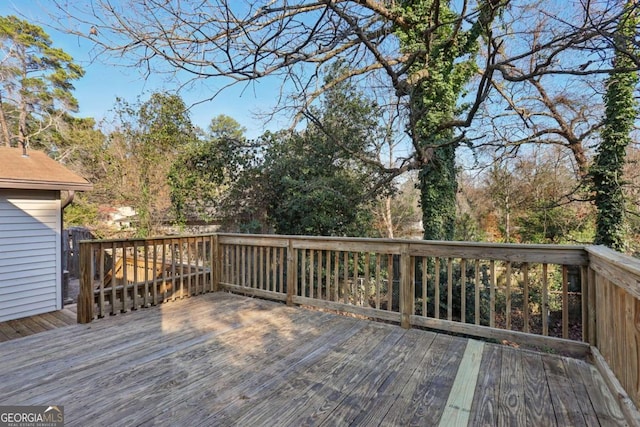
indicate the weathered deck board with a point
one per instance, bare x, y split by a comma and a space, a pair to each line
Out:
13, 329
484, 410
222, 359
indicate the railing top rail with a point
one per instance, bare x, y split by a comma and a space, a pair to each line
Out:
146, 239
552, 254
514, 252
407, 241
621, 269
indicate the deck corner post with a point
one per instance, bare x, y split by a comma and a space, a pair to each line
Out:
406, 298
291, 268
85, 297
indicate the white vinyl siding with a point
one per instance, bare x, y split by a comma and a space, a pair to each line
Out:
30, 259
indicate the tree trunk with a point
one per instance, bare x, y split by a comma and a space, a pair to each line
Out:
388, 219
438, 188
6, 138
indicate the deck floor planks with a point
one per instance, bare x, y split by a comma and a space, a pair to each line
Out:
604, 403
132, 368
228, 377
339, 397
511, 403
424, 399
565, 405
4, 336
458, 407
321, 386
375, 389
47, 358
19, 328
121, 327
226, 385
231, 360
537, 400
484, 409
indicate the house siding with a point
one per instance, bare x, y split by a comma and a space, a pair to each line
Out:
30, 258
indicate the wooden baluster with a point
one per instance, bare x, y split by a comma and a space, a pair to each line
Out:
545, 300
125, 280
450, 289
145, 287
154, 289
101, 300
181, 260
319, 275
492, 294
345, 282
477, 289
292, 268
424, 286
463, 290
311, 272
303, 270
355, 288
187, 266
134, 296
274, 268
378, 280
436, 282
508, 295
390, 284
328, 296
281, 265
525, 291
565, 302
336, 276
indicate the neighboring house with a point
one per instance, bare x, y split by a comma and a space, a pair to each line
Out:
122, 217
30, 231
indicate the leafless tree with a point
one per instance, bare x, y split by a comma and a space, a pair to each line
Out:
241, 41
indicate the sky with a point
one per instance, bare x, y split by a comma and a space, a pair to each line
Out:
97, 91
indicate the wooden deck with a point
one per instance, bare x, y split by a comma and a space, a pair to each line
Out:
223, 359
24, 327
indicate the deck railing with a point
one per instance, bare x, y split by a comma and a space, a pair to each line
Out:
512, 292
560, 298
614, 316
122, 275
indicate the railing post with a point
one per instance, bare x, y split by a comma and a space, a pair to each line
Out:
291, 276
406, 297
85, 297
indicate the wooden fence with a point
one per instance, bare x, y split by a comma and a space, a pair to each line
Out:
565, 298
71, 238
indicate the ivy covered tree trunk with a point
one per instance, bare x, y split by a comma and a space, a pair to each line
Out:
438, 188
620, 114
444, 64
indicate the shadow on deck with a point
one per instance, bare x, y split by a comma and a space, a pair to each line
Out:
223, 359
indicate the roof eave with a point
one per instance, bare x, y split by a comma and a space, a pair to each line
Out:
44, 185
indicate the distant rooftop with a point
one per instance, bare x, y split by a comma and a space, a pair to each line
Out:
37, 171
